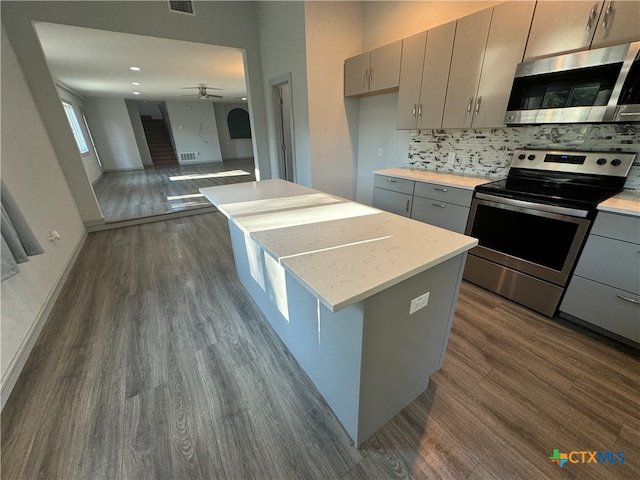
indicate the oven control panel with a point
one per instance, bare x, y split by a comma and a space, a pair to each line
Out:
616, 164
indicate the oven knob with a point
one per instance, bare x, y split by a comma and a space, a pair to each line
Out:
601, 161
531, 157
522, 156
615, 162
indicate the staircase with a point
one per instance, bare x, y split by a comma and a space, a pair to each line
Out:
159, 141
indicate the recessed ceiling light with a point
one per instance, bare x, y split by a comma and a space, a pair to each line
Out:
135, 83
136, 93
135, 69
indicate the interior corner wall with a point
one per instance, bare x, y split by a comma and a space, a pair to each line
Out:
194, 130
281, 27
31, 172
89, 160
110, 124
333, 34
231, 148
138, 132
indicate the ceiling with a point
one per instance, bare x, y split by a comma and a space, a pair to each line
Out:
95, 63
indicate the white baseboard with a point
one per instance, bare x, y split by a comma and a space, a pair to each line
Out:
17, 363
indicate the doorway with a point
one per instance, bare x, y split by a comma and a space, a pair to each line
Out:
283, 124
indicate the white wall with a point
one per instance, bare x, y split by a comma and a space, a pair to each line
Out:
31, 172
231, 148
378, 131
194, 129
138, 132
110, 124
333, 32
89, 160
281, 28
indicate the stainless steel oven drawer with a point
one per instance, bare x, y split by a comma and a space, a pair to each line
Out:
434, 191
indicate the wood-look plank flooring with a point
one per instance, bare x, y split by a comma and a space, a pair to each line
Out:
163, 189
155, 364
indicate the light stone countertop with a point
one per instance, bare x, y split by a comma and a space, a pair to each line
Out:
341, 251
468, 182
626, 202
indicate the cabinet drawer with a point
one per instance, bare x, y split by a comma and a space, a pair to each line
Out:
611, 262
434, 191
621, 227
441, 214
391, 183
609, 308
394, 202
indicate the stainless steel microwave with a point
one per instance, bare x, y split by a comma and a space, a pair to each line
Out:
601, 85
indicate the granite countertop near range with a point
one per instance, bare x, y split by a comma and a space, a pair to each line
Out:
458, 180
627, 203
341, 251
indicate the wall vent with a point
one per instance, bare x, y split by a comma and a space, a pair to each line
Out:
186, 156
181, 7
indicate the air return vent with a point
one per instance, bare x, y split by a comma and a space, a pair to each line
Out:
181, 7
186, 156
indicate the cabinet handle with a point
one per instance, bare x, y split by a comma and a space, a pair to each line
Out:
590, 19
408, 204
370, 76
391, 181
607, 12
628, 114
415, 107
469, 105
440, 205
627, 299
477, 111
364, 80
439, 189
419, 110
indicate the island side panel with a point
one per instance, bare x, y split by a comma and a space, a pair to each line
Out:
402, 350
328, 346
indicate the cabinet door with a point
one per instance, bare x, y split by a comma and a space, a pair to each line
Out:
384, 70
394, 202
441, 214
410, 81
619, 23
435, 75
505, 48
561, 27
466, 64
356, 75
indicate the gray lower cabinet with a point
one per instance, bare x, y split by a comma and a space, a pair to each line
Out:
605, 288
393, 195
432, 203
442, 206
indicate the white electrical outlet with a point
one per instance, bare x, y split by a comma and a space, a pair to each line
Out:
452, 158
419, 302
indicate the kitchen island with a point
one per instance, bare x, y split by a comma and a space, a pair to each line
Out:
362, 298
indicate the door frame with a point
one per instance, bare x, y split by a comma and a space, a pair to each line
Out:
276, 115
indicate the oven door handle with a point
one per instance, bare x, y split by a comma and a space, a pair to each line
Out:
573, 212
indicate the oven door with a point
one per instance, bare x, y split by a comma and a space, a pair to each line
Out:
537, 239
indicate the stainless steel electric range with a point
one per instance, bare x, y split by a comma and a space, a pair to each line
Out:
532, 226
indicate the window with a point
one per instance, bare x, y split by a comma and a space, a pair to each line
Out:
238, 122
75, 127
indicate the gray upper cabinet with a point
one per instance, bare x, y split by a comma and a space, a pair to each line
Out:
561, 27
374, 71
488, 46
424, 74
618, 23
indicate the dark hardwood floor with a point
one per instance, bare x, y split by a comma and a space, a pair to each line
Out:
156, 364
163, 189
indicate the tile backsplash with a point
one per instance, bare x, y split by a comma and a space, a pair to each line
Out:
487, 152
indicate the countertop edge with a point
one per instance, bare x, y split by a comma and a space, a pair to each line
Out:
466, 182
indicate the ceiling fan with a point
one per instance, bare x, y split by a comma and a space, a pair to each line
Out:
202, 92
